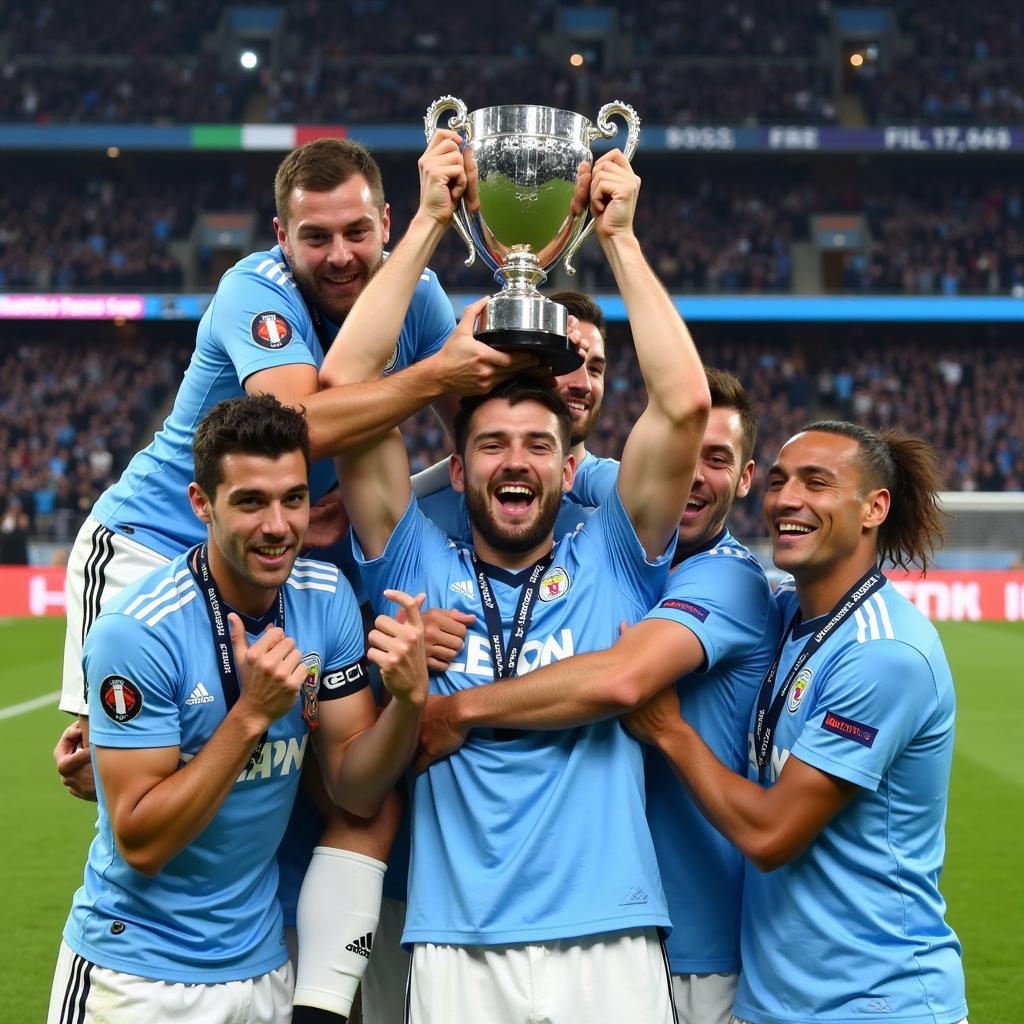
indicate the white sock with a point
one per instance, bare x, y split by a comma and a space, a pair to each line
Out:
339, 905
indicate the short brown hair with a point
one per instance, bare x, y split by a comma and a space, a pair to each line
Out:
515, 390
728, 393
247, 425
908, 468
584, 308
322, 165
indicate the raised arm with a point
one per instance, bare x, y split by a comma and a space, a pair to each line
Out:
661, 452
347, 402
352, 369
374, 477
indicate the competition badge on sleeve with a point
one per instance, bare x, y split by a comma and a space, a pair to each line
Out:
120, 699
270, 330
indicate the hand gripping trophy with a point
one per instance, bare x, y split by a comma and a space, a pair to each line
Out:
526, 205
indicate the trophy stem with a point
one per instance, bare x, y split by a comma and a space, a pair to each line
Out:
520, 274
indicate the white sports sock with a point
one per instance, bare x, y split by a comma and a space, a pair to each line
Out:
339, 905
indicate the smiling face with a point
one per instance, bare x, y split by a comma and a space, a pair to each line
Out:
822, 520
334, 242
721, 476
513, 474
256, 521
583, 389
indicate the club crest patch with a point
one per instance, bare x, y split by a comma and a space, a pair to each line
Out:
120, 699
555, 584
310, 685
270, 330
392, 361
796, 694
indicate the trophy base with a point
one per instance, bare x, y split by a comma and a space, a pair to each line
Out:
531, 324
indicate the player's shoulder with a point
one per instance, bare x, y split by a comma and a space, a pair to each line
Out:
598, 464
785, 597
887, 618
729, 555
264, 278
267, 265
428, 288
149, 610
314, 574
726, 566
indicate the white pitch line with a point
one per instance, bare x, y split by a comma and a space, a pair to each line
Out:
30, 705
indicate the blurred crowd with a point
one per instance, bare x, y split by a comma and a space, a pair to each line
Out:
99, 235
71, 418
936, 236
692, 61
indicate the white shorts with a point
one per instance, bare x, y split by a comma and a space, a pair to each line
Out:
704, 998
597, 979
383, 986
85, 993
102, 563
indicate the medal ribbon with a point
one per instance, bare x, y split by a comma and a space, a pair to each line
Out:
222, 636
768, 710
507, 658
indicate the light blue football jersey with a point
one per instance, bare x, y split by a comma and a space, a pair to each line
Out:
722, 596
853, 929
258, 319
534, 835
595, 480
211, 914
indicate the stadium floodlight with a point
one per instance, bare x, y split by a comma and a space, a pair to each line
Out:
249, 59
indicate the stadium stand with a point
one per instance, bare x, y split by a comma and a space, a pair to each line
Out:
714, 223
71, 415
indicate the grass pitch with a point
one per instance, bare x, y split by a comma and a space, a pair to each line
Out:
46, 832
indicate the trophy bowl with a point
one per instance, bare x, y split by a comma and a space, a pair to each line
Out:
526, 206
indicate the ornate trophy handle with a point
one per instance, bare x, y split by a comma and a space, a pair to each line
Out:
458, 122
605, 129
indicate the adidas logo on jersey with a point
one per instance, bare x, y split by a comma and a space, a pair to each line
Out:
634, 896
463, 588
200, 695
362, 945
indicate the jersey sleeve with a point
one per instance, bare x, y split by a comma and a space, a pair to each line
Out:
414, 544
595, 481
261, 324
722, 597
134, 682
430, 319
867, 708
345, 665
639, 579
446, 509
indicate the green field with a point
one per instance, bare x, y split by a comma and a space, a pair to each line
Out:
47, 832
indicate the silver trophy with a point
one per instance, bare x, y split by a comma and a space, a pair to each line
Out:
525, 208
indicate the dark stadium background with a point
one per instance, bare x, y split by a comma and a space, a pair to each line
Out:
835, 196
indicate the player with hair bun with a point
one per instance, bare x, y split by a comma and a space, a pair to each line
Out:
842, 811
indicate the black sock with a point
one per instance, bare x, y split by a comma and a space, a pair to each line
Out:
316, 1015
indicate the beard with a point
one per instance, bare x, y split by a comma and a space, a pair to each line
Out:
335, 308
513, 539
582, 429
